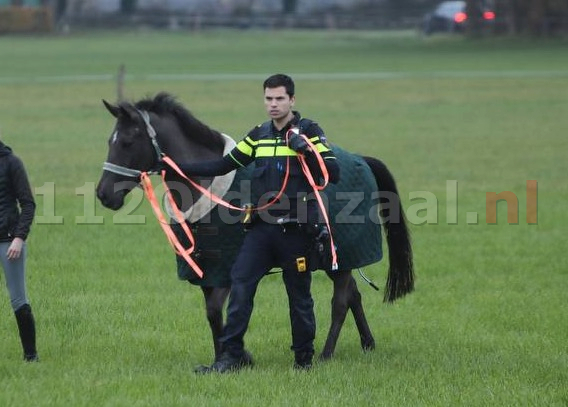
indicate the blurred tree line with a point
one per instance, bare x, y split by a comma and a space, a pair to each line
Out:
513, 17
534, 17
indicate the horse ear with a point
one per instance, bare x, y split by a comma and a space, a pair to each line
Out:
114, 110
129, 111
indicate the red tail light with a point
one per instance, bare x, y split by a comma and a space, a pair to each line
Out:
488, 15
460, 17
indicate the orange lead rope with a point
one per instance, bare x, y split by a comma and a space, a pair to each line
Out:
317, 188
166, 227
186, 253
172, 238
219, 200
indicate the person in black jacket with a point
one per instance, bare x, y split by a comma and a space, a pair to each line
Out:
280, 235
17, 209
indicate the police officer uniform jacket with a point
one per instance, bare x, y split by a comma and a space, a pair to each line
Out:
267, 148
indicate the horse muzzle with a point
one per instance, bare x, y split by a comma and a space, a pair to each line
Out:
111, 193
113, 201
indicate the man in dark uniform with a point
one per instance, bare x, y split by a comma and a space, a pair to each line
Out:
278, 236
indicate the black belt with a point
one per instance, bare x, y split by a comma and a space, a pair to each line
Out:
287, 221
289, 224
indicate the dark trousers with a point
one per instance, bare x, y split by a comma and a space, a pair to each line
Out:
266, 246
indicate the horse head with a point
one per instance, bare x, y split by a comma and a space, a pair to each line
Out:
130, 152
143, 132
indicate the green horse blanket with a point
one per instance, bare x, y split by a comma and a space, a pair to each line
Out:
353, 212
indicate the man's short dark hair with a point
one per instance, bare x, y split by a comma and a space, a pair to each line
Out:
275, 81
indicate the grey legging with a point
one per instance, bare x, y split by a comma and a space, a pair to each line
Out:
14, 272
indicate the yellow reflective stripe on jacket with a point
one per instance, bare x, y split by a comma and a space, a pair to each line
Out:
274, 147
322, 148
274, 151
247, 146
267, 141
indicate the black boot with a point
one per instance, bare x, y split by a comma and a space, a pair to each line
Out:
26, 327
303, 360
227, 363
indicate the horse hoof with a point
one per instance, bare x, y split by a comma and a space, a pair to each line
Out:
201, 369
368, 346
325, 356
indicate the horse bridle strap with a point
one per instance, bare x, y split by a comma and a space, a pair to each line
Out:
129, 172
152, 133
120, 170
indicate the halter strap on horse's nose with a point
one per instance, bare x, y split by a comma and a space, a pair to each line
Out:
120, 170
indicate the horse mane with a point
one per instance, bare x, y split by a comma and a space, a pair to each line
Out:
164, 103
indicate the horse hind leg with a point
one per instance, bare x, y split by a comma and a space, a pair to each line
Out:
339, 308
346, 296
356, 305
215, 298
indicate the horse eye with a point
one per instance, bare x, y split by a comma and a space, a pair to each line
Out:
126, 142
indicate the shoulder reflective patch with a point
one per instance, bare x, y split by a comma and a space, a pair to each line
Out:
320, 142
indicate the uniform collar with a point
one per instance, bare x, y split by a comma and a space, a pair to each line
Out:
293, 122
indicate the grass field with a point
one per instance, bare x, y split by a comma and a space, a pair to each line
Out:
487, 324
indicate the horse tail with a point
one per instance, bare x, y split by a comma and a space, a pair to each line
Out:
400, 279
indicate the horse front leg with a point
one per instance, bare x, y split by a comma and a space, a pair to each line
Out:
339, 308
215, 298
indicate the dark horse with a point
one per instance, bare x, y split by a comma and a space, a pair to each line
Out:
150, 128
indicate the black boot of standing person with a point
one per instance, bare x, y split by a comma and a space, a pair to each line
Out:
26, 327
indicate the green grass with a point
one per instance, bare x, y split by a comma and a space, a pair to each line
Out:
487, 323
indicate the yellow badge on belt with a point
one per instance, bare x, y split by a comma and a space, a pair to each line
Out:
301, 264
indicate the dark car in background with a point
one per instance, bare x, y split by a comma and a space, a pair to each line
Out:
451, 17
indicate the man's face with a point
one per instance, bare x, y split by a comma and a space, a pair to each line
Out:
277, 102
